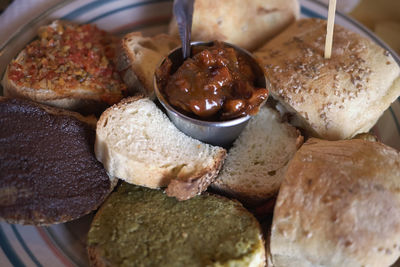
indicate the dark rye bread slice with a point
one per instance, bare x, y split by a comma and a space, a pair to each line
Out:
138, 226
48, 171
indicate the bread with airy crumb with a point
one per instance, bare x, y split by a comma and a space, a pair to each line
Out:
339, 205
137, 142
85, 97
256, 163
139, 57
334, 98
245, 23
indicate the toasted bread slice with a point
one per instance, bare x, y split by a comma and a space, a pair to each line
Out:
76, 75
256, 164
48, 171
139, 57
156, 230
136, 142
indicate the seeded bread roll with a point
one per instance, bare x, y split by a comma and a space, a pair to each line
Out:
48, 171
138, 226
256, 163
245, 23
137, 142
334, 98
339, 205
139, 57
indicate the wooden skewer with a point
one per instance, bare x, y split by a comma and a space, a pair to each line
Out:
329, 28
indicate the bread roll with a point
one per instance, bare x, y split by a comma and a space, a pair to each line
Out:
339, 205
137, 142
334, 98
246, 23
138, 226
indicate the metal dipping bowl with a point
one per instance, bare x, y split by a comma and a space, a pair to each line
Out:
220, 133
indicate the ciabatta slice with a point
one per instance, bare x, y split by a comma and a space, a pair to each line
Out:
139, 57
257, 162
136, 142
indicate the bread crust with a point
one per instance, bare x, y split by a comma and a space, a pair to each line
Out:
339, 205
334, 98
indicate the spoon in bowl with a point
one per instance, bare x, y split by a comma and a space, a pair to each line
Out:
183, 11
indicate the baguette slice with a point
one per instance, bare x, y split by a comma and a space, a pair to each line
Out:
48, 171
136, 142
256, 164
99, 85
139, 57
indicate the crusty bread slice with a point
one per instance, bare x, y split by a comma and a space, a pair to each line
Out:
138, 226
245, 23
136, 142
48, 171
85, 97
256, 164
336, 98
339, 205
139, 57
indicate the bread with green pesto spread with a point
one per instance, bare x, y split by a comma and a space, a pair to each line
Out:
138, 226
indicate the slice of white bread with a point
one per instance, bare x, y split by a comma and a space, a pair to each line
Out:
64, 90
256, 164
245, 23
48, 171
138, 226
137, 142
139, 57
334, 98
339, 205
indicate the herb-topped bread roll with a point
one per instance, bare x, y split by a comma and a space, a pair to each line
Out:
48, 171
334, 98
339, 205
138, 226
245, 23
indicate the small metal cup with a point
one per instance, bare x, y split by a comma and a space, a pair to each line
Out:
220, 133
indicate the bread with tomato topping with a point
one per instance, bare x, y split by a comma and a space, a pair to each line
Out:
68, 66
137, 142
257, 161
334, 98
138, 58
245, 23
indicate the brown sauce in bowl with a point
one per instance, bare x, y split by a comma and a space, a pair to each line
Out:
216, 83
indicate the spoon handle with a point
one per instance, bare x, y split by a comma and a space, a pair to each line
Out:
183, 11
